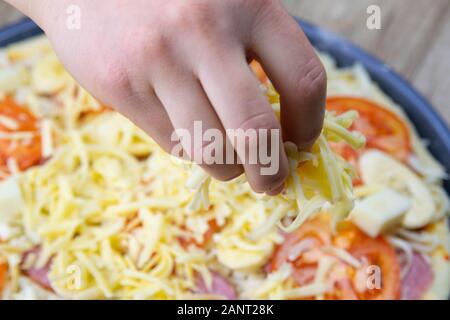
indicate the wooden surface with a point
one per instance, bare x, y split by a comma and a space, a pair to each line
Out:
414, 39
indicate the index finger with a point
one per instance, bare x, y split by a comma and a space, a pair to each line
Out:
242, 107
297, 73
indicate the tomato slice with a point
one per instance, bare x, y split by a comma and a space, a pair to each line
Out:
207, 236
376, 254
383, 129
312, 234
26, 153
3, 275
380, 254
315, 230
213, 228
302, 246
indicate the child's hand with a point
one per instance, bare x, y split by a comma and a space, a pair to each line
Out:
167, 63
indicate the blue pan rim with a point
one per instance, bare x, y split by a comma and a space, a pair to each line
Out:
370, 61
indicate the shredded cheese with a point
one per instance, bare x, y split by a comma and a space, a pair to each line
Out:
337, 176
404, 246
47, 139
8, 123
120, 219
343, 255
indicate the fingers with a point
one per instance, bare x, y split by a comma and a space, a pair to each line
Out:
148, 113
239, 103
297, 73
189, 109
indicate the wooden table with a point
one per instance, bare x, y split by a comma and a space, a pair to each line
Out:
414, 39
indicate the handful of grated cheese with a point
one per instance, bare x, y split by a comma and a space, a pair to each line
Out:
318, 177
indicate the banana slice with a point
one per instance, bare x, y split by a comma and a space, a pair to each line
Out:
49, 75
13, 78
26, 50
380, 212
379, 168
237, 253
11, 202
442, 202
234, 248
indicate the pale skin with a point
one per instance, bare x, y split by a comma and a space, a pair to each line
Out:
167, 63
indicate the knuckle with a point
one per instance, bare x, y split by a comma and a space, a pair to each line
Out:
256, 134
312, 84
113, 77
312, 80
146, 46
155, 46
267, 11
198, 151
192, 14
258, 121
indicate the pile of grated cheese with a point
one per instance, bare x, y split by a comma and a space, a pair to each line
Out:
108, 208
112, 211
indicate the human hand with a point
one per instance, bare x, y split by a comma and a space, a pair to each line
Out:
166, 64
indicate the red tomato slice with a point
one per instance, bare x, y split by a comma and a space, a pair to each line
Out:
26, 153
213, 228
375, 252
343, 291
207, 236
383, 129
314, 233
380, 253
3, 275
